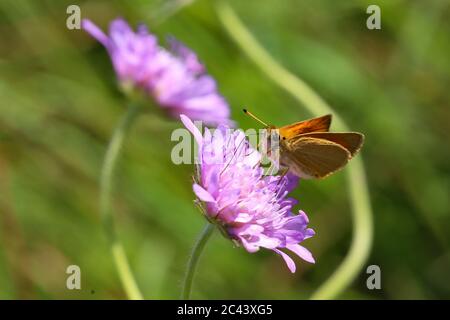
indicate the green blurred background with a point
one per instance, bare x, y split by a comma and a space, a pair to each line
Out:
59, 103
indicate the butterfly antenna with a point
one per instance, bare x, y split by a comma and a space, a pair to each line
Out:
255, 117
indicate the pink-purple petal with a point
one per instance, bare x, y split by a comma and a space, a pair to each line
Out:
202, 194
88, 26
192, 128
302, 252
289, 262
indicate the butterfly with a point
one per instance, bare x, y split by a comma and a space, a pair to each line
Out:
309, 150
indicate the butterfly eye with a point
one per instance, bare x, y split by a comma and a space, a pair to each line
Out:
284, 138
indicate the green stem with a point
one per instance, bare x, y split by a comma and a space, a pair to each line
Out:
193, 260
109, 162
303, 93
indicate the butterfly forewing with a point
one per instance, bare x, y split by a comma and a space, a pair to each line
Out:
321, 124
352, 141
314, 158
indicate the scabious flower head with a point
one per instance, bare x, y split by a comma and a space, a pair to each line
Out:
249, 207
174, 77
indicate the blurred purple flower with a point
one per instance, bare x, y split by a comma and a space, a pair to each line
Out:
249, 207
174, 78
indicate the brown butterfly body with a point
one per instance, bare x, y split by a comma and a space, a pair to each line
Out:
309, 150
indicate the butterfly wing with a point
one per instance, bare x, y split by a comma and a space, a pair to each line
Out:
314, 158
321, 124
352, 141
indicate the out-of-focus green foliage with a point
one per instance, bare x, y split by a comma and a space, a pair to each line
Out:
59, 104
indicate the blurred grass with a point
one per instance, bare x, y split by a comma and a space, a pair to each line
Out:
59, 104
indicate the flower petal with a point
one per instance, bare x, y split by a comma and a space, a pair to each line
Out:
309, 233
202, 194
249, 246
192, 128
243, 217
187, 55
291, 182
289, 262
302, 252
95, 32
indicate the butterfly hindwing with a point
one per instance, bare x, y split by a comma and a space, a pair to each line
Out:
352, 141
314, 158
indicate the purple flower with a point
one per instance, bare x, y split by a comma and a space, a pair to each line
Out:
174, 78
249, 207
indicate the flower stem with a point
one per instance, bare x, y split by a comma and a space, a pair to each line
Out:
303, 93
193, 260
109, 162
